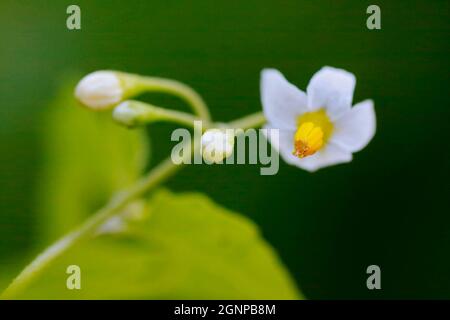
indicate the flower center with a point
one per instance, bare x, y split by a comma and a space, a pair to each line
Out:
314, 130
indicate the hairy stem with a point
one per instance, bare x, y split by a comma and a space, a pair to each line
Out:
159, 174
141, 84
251, 121
134, 113
117, 203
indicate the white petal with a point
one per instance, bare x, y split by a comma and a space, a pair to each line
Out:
332, 89
275, 144
282, 102
330, 155
354, 130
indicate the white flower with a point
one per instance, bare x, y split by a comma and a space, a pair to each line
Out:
100, 90
319, 128
217, 144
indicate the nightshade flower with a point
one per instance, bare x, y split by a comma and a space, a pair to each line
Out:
217, 144
319, 128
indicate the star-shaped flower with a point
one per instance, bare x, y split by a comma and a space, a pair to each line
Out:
319, 128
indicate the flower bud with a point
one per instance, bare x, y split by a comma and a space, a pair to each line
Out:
132, 113
100, 90
217, 144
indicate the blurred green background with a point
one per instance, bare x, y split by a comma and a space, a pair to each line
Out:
389, 207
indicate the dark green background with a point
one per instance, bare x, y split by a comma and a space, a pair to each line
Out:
389, 207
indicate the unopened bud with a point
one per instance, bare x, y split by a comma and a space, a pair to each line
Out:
217, 144
132, 113
100, 90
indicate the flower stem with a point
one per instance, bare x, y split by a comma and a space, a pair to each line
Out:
176, 116
117, 203
251, 121
139, 84
133, 113
156, 176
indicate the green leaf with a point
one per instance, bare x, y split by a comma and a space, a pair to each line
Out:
87, 157
184, 247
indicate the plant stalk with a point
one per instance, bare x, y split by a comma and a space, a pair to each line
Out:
160, 173
156, 176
